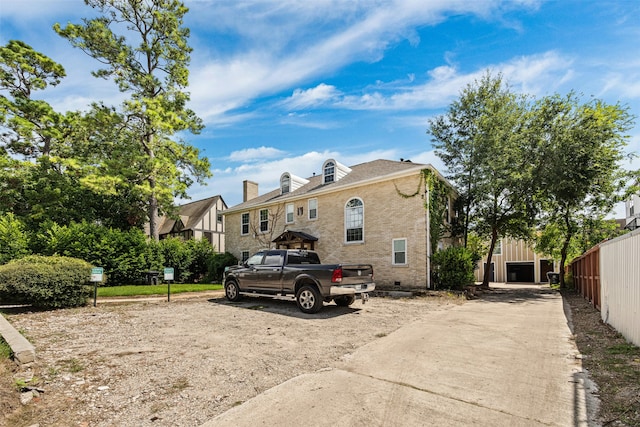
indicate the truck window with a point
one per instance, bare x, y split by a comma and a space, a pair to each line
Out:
303, 258
274, 258
256, 259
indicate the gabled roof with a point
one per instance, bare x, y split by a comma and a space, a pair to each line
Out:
189, 214
362, 174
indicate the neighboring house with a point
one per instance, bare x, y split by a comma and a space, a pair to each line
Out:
347, 214
632, 212
202, 219
515, 261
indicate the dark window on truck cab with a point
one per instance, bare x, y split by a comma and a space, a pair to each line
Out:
303, 258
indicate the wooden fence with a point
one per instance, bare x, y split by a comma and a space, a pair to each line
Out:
586, 275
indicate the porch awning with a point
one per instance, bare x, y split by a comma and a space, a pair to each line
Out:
292, 238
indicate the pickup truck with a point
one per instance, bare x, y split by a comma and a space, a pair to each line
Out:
299, 272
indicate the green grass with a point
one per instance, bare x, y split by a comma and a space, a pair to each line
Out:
130, 291
5, 349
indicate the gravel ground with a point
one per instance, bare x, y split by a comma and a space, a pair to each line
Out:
155, 363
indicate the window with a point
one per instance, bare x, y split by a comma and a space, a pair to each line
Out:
274, 258
245, 255
631, 210
285, 183
219, 218
354, 220
399, 251
329, 172
255, 259
245, 223
289, 209
313, 208
264, 220
498, 249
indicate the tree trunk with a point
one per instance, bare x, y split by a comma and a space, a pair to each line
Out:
487, 270
565, 248
154, 232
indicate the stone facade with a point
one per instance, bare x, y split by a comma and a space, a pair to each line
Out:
387, 216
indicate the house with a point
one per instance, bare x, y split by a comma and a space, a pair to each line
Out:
371, 213
202, 219
515, 261
632, 212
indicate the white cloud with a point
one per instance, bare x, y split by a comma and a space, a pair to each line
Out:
320, 94
250, 154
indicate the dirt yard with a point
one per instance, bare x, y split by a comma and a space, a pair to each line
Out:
184, 362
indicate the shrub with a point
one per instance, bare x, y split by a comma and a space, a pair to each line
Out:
453, 268
13, 239
46, 282
217, 264
123, 254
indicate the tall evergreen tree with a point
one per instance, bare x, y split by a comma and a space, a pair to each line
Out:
154, 73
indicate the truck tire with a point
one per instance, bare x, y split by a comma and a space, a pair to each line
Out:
232, 291
344, 301
309, 299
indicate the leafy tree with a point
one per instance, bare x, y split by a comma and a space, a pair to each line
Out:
483, 141
154, 72
14, 242
579, 176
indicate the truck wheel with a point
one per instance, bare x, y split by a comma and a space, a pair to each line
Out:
232, 290
345, 301
309, 299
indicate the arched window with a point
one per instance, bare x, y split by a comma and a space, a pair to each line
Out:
285, 183
354, 220
329, 172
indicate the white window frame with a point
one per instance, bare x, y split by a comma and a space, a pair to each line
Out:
285, 184
329, 170
313, 212
264, 220
289, 213
242, 223
394, 252
348, 220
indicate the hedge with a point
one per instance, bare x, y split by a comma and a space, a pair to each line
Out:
45, 282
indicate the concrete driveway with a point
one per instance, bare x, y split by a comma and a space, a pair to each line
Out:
506, 359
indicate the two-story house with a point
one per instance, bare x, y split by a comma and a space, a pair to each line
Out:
632, 212
202, 219
356, 214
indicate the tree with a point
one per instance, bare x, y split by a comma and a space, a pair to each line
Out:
579, 152
483, 141
30, 127
155, 74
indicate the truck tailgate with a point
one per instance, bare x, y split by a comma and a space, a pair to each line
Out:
356, 274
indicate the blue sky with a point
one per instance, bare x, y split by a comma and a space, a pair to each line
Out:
284, 85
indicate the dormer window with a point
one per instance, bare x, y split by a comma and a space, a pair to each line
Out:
290, 183
333, 171
329, 172
285, 183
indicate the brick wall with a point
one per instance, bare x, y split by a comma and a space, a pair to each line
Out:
387, 216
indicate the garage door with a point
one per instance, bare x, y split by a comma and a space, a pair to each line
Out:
520, 272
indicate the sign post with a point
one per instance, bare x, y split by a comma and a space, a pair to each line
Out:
96, 277
168, 276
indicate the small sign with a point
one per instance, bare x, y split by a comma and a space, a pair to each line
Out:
96, 274
168, 274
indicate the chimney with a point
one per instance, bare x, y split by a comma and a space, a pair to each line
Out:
249, 190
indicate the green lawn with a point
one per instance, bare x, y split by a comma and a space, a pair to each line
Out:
130, 291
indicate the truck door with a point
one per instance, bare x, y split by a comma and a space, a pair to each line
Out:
270, 271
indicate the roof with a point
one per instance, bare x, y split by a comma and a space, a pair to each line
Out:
362, 174
190, 214
291, 235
